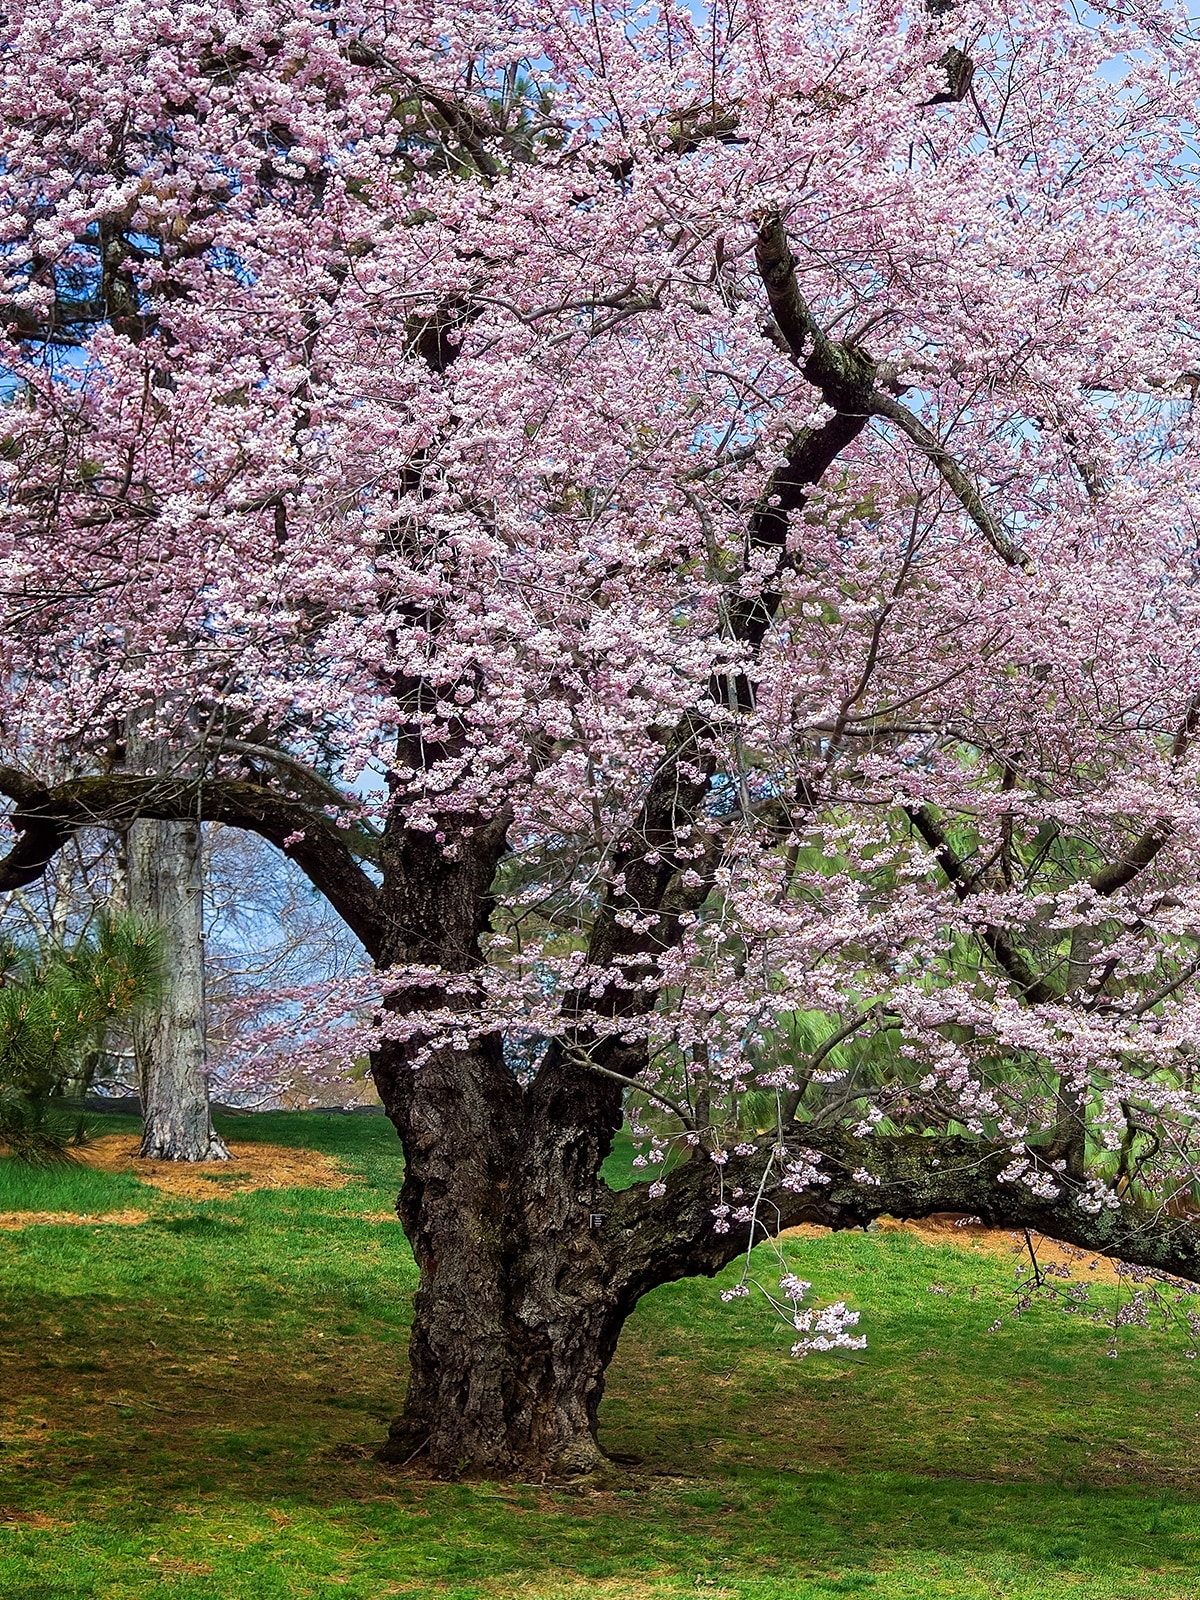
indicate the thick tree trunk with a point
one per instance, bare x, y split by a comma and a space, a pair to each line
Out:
529, 1265
166, 887
516, 1317
506, 1371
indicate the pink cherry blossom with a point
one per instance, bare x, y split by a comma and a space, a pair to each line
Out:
684, 526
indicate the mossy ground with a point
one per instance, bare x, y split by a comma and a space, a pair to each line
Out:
188, 1408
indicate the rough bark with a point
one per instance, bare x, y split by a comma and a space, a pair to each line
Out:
166, 887
911, 1176
530, 1265
514, 1322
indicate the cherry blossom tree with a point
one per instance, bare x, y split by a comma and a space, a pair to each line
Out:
682, 522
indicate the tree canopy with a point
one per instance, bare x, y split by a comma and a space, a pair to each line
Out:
682, 523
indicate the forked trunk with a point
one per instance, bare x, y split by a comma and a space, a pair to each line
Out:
503, 1384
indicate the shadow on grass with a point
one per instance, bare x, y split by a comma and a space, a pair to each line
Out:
190, 1407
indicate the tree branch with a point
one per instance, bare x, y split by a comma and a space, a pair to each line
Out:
954, 478
1008, 958
46, 818
652, 877
845, 375
366, 838
657, 1241
791, 1101
581, 1058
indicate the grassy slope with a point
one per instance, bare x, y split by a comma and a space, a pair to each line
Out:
187, 1408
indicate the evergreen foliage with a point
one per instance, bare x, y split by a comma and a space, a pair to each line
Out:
56, 1006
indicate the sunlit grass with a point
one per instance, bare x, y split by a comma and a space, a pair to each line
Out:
65, 1188
189, 1407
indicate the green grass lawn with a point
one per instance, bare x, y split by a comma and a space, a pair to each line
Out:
188, 1407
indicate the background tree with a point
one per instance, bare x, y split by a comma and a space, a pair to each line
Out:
274, 954
676, 521
164, 882
284, 979
55, 1008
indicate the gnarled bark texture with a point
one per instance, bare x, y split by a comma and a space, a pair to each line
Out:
514, 1322
516, 1318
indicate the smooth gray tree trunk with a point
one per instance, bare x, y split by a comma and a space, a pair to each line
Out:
166, 887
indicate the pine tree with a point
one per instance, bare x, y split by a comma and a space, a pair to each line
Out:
55, 1007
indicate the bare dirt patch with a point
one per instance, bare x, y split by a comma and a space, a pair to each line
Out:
178, 1567
965, 1233
67, 1219
567, 1588
252, 1166
32, 1519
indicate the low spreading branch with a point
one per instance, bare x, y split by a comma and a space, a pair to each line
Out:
46, 817
655, 1239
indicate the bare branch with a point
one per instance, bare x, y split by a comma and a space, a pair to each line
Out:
954, 477
791, 1102
46, 818
1011, 961
845, 375
581, 1058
